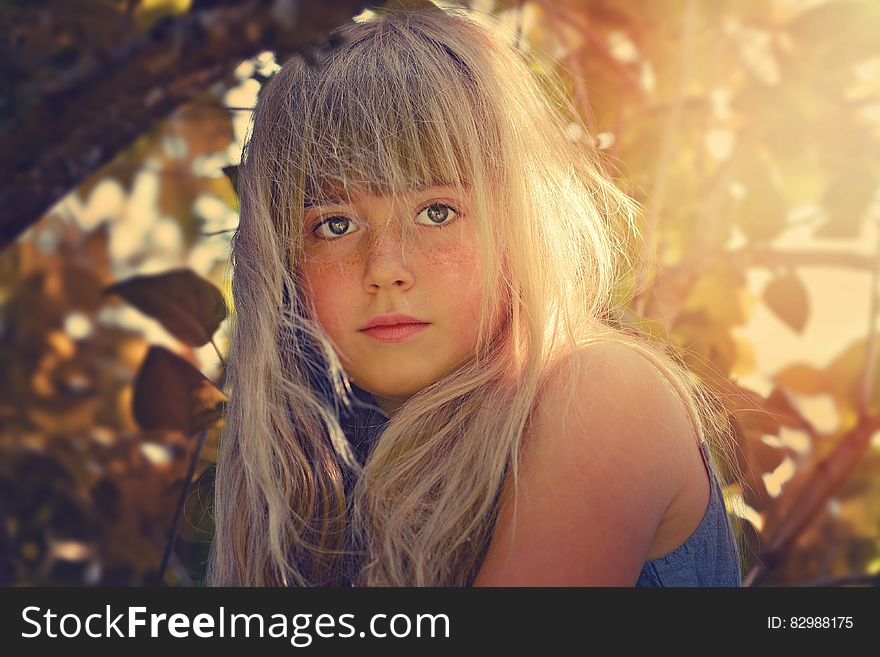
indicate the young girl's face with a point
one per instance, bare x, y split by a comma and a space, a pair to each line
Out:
362, 261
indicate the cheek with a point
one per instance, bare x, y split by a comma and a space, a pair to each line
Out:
454, 259
324, 286
456, 272
452, 262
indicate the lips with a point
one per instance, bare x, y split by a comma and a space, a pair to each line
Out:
395, 332
393, 327
389, 319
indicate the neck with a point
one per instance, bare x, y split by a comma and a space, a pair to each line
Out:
389, 405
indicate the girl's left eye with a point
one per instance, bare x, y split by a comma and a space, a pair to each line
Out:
438, 214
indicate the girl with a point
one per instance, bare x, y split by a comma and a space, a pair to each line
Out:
425, 387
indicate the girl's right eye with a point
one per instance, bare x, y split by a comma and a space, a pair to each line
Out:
332, 227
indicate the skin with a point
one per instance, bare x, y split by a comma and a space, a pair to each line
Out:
374, 267
636, 475
607, 483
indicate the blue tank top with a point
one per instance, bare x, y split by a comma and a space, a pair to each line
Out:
709, 556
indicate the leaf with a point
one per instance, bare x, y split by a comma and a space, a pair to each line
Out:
841, 378
846, 200
720, 293
846, 372
787, 297
758, 458
704, 345
188, 306
169, 393
761, 214
802, 378
762, 457
780, 405
208, 403
231, 172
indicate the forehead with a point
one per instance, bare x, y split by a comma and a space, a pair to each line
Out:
361, 194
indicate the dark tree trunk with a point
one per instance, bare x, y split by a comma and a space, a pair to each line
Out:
70, 126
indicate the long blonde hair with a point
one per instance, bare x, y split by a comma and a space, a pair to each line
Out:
401, 100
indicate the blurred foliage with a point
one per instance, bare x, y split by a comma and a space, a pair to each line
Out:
95, 431
725, 119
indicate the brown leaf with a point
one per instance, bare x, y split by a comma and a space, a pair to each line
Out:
787, 297
764, 458
170, 393
780, 404
207, 403
188, 306
803, 379
231, 172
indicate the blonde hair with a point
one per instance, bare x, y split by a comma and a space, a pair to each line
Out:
402, 100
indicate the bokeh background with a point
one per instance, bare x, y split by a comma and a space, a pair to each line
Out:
748, 130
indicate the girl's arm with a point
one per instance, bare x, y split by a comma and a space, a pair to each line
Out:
601, 464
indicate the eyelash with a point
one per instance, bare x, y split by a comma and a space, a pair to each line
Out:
326, 218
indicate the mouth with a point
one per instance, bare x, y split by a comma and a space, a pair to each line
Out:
395, 332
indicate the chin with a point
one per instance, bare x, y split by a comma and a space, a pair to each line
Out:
399, 392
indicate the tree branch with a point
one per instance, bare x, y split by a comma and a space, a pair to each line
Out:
168, 553
866, 387
82, 121
773, 258
670, 136
831, 472
827, 476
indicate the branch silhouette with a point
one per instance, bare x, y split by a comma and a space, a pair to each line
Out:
80, 120
830, 473
184, 491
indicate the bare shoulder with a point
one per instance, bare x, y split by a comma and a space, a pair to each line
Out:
615, 382
601, 464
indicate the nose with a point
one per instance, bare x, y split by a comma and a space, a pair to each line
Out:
386, 260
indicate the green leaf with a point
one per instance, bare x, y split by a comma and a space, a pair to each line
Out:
787, 298
187, 305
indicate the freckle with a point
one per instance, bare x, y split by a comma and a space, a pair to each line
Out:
454, 261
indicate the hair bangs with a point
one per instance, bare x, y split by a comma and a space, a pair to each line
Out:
384, 120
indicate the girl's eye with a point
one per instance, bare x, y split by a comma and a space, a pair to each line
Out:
438, 214
336, 226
